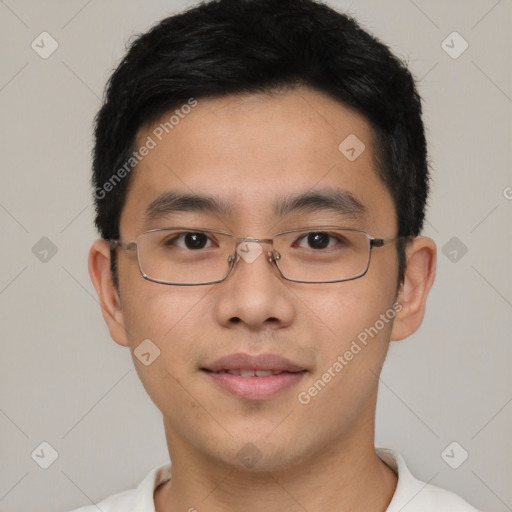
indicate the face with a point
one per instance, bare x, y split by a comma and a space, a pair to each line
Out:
253, 152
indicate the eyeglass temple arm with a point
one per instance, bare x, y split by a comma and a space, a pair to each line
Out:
130, 246
379, 242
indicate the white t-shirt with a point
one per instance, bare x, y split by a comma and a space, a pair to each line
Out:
411, 495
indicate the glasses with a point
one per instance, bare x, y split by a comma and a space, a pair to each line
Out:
188, 257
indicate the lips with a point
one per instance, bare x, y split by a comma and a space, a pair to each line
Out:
254, 377
251, 373
262, 362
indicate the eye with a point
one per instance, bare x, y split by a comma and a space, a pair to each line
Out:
318, 240
189, 240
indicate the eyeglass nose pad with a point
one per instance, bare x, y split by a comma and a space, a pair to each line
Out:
273, 256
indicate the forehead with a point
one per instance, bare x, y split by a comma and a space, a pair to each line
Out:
256, 151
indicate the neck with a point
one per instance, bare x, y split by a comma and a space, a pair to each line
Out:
347, 475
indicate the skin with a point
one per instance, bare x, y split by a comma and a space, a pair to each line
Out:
249, 150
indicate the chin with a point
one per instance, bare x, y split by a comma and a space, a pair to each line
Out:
257, 454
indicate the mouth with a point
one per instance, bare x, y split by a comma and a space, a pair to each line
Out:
254, 377
252, 373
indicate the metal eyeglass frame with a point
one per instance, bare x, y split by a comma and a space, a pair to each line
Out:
273, 256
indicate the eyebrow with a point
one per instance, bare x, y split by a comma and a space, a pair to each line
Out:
174, 202
329, 199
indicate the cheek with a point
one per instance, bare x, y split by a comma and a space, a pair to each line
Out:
351, 328
153, 310
351, 353
341, 311
171, 317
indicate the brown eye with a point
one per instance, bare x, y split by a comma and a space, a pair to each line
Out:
316, 240
188, 240
195, 240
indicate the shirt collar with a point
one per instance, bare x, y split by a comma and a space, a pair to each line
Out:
406, 490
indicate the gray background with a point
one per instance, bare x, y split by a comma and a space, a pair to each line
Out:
64, 381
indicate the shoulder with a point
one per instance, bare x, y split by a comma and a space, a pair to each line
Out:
412, 495
139, 499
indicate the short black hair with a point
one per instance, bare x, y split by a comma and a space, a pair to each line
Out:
227, 47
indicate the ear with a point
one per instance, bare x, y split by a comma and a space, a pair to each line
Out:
101, 276
421, 254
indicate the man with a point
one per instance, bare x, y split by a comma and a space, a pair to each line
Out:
260, 176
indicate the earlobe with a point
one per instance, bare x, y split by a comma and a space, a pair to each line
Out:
101, 276
419, 277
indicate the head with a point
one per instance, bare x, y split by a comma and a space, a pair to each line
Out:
249, 103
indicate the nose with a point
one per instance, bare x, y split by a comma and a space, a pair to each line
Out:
254, 294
